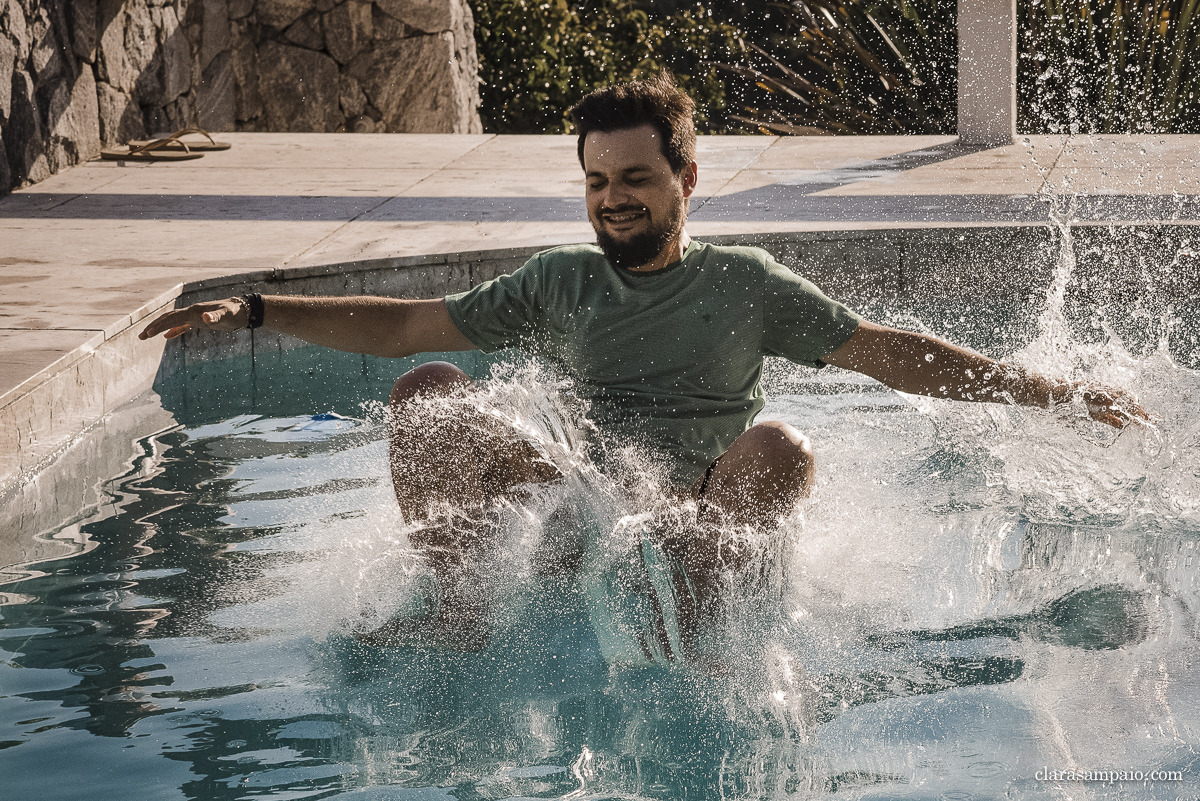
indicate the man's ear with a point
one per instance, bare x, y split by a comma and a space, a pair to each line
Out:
688, 177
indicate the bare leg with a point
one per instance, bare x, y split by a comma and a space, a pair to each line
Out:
763, 474
446, 467
467, 461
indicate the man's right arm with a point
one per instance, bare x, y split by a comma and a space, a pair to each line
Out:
372, 325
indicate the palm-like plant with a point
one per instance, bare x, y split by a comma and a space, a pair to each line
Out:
853, 66
872, 66
1109, 66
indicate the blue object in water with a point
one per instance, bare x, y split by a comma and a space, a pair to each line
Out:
631, 584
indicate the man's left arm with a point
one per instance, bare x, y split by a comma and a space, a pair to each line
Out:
923, 365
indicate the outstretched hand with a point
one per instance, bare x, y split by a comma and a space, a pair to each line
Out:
1113, 406
230, 314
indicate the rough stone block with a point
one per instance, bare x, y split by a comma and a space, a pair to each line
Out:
128, 46
110, 47
77, 126
214, 33
84, 37
24, 136
175, 53
348, 27
240, 9
47, 57
174, 115
244, 61
306, 32
5, 170
120, 118
409, 83
12, 20
8, 58
385, 27
215, 102
428, 16
351, 97
299, 89
281, 13
179, 113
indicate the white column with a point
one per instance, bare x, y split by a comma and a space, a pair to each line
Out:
987, 71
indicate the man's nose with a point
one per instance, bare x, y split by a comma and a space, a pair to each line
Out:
615, 194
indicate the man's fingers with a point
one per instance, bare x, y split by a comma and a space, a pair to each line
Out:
1116, 421
169, 321
220, 315
1117, 409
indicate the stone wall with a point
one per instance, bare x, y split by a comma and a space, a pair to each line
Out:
79, 74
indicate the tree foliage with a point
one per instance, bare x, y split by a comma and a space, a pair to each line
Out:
539, 57
841, 66
853, 67
890, 66
1109, 66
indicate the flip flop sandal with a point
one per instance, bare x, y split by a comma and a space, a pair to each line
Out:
177, 137
154, 150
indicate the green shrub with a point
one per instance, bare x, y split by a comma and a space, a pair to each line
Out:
1109, 66
864, 66
853, 67
537, 58
841, 66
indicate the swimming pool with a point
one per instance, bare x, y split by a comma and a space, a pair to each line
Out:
974, 595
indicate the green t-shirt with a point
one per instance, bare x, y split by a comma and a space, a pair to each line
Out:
668, 361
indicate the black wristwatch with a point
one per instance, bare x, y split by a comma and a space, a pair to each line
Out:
254, 303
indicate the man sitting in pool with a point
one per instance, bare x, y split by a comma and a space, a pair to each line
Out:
662, 335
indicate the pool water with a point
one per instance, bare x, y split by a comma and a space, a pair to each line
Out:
973, 594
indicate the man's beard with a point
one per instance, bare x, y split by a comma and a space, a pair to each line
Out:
642, 248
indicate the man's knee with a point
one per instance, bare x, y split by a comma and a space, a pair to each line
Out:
772, 458
778, 443
431, 378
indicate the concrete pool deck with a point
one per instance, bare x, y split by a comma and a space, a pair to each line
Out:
88, 253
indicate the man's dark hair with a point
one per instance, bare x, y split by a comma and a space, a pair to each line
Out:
656, 101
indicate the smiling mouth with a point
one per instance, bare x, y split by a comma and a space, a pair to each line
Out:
623, 217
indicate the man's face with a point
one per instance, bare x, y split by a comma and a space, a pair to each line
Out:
635, 202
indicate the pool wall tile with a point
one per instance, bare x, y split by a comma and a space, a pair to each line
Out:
36, 425
206, 346
487, 269
73, 483
427, 282
949, 265
855, 271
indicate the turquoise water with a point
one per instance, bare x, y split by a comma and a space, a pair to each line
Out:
972, 595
